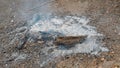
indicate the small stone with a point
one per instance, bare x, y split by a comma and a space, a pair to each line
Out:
100, 67
119, 33
102, 59
50, 51
81, 58
12, 21
115, 67
112, 52
40, 42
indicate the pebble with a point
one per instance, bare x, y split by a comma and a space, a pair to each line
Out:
102, 59
115, 67
40, 42
100, 67
12, 21
112, 52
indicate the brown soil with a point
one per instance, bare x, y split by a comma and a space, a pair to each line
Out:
104, 14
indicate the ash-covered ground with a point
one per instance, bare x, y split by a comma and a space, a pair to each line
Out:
28, 29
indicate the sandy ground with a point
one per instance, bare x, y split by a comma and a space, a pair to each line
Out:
105, 15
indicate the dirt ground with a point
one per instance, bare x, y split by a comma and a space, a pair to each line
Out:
104, 14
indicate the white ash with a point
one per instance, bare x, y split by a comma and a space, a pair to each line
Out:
18, 56
69, 26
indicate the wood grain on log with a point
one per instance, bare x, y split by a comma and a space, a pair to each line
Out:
69, 40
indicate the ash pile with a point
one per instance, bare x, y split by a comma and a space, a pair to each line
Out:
52, 36
71, 34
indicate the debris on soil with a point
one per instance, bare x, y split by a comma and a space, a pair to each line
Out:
40, 42
22, 43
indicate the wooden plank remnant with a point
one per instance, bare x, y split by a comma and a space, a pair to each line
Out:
69, 40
